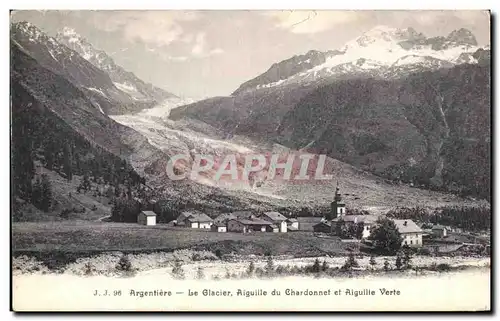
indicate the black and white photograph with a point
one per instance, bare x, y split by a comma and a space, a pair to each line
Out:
250, 160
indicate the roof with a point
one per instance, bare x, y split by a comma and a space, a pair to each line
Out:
149, 213
199, 218
438, 227
242, 214
253, 221
225, 217
219, 224
184, 215
310, 219
324, 223
292, 219
273, 226
410, 226
275, 216
357, 218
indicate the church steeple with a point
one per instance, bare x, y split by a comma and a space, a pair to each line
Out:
337, 198
337, 206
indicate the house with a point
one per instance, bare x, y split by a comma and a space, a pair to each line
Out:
323, 227
277, 219
410, 232
181, 219
292, 224
439, 231
146, 218
199, 221
244, 225
368, 222
218, 227
306, 223
194, 220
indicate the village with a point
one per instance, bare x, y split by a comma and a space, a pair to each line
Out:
348, 227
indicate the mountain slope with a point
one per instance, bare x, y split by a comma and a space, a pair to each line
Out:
124, 80
94, 82
380, 52
391, 102
432, 128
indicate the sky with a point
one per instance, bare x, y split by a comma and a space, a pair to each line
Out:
199, 54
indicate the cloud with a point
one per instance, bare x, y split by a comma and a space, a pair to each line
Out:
200, 49
427, 18
159, 28
308, 22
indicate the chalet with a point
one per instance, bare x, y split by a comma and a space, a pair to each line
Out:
292, 224
439, 231
410, 232
146, 218
368, 222
243, 225
181, 219
219, 227
277, 219
194, 220
199, 221
307, 223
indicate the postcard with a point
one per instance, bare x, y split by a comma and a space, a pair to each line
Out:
289, 160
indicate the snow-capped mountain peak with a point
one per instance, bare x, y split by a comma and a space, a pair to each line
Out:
125, 81
382, 51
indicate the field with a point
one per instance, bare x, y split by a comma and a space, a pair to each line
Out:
85, 236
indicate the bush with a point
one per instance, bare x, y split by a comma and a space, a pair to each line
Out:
251, 269
350, 263
200, 275
177, 271
387, 265
443, 267
124, 264
88, 269
269, 266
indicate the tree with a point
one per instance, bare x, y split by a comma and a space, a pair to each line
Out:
85, 183
359, 227
399, 262
407, 256
42, 193
178, 271
124, 264
387, 265
269, 265
200, 275
350, 262
251, 269
68, 161
386, 237
373, 262
316, 268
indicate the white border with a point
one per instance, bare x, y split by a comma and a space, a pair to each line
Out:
188, 4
